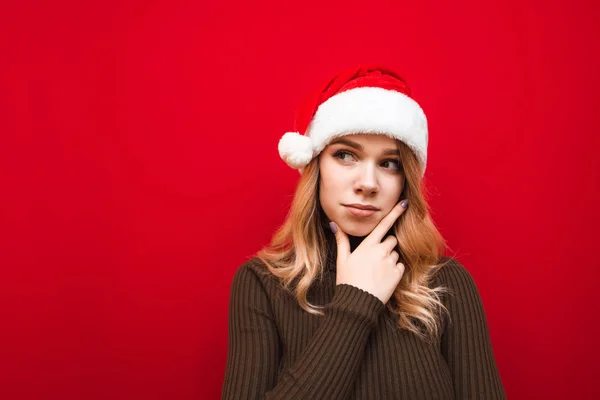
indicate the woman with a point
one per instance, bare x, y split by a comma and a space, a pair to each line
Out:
354, 298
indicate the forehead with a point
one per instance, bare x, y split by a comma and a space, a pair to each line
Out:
367, 139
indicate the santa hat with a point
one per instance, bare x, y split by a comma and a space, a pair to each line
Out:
365, 99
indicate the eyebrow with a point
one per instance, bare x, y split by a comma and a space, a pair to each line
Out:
358, 146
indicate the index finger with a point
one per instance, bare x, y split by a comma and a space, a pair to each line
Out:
385, 224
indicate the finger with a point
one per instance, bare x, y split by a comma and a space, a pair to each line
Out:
389, 243
385, 224
394, 256
342, 242
401, 267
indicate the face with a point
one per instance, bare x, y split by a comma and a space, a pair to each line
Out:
363, 170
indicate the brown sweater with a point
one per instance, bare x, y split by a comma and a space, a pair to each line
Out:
276, 350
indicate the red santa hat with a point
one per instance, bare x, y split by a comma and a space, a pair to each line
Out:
366, 99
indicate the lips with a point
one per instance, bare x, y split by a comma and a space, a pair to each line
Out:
362, 206
360, 212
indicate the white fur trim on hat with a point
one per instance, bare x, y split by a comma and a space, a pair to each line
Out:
295, 149
371, 110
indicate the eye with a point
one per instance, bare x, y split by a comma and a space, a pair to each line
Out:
397, 168
340, 154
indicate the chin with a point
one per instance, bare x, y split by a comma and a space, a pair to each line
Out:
357, 229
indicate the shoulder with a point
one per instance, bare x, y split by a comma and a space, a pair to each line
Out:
454, 276
461, 294
253, 274
252, 270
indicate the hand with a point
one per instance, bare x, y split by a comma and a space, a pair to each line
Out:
373, 265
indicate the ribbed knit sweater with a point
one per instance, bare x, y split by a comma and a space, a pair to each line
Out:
276, 350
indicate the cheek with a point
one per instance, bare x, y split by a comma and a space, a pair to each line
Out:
329, 177
329, 193
332, 188
393, 192
326, 200
326, 192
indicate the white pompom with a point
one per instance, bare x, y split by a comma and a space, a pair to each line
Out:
295, 149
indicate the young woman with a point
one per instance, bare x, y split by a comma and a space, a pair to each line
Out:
354, 298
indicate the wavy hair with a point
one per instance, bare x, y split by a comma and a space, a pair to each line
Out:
300, 247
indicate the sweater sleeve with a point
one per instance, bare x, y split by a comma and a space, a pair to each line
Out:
466, 343
328, 365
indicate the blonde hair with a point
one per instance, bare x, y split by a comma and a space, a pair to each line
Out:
298, 250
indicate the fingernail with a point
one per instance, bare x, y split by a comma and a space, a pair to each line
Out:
333, 227
404, 203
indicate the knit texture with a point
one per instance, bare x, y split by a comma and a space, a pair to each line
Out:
276, 350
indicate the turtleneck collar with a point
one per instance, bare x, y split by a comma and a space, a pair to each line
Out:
355, 241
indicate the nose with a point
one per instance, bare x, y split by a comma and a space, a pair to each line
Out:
366, 182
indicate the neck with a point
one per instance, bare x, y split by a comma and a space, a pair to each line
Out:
354, 241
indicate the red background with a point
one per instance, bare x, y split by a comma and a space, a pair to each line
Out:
139, 169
